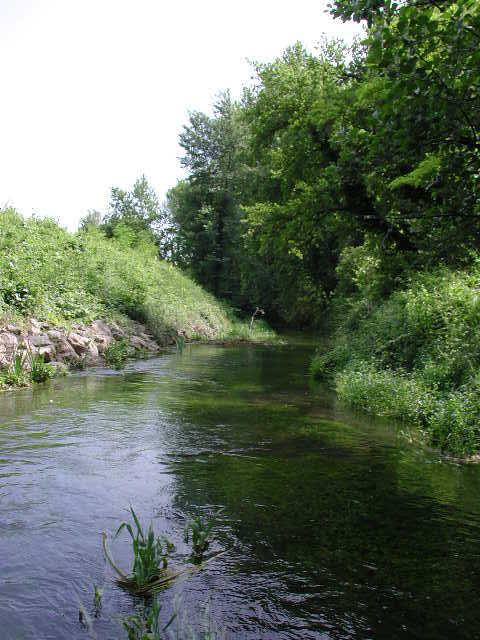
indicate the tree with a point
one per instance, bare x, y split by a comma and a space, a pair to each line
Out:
204, 207
135, 215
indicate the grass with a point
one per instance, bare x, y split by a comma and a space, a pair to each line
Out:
61, 278
150, 554
199, 532
25, 368
413, 356
116, 354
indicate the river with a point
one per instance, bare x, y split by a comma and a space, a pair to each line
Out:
335, 525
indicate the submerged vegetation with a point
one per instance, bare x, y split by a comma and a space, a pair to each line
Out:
199, 532
150, 573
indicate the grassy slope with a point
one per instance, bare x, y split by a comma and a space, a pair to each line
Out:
53, 275
414, 356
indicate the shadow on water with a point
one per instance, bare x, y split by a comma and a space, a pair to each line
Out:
336, 527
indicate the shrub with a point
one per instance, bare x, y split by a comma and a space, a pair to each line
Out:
116, 353
40, 371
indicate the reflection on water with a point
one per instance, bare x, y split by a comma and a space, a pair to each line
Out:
335, 526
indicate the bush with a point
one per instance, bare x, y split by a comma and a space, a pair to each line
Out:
116, 354
40, 371
413, 356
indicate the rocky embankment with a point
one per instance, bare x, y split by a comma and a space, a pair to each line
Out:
80, 346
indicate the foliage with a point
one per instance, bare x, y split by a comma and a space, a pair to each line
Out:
150, 552
40, 371
413, 356
116, 354
15, 374
146, 626
199, 531
59, 277
26, 367
135, 218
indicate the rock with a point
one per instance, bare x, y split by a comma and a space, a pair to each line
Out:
8, 347
103, 342
64, 349
138, 343
100, 328
117, 332
35, 327
48, 352
92, 356
11, 328
79, 343
40, 340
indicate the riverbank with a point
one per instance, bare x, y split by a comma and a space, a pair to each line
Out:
413, 355
66, 298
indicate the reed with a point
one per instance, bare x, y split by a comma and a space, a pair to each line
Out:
150, 554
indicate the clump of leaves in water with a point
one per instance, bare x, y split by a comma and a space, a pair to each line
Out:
40, 371
199, 532
116, 354
150, 554
146, 626
15, 374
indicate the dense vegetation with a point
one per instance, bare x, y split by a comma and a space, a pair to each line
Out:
53, 275
343, 187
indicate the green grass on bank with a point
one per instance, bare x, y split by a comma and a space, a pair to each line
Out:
414, 356
53, 275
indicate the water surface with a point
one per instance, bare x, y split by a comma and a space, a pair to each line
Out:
335, 526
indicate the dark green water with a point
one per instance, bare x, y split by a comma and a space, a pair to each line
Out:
335, 527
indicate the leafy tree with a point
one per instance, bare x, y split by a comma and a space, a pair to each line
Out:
135, 216
204, 207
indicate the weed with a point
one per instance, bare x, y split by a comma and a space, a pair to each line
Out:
15, 374
199, 531
116, 354
146, 626
150, 553
97, 600
40, 371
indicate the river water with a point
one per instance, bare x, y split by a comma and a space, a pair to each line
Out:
335, 526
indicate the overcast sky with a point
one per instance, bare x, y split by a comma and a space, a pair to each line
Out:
95, 92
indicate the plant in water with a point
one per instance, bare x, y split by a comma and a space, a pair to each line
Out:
116, 354
198, 531
150, 571
150, 553
15, 374
40, 371
146, 626
180, 343
97, 600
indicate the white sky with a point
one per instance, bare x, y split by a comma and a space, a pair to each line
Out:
95, 92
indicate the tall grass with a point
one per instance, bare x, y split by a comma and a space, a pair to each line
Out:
61, 277
413, 355
150, 553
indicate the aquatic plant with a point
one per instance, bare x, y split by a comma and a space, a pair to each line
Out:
180, 343
116, 354
146, 626
150, 553
40, 371
198, 531
15, 374
97, 600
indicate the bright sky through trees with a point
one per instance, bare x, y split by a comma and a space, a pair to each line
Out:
94, 93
